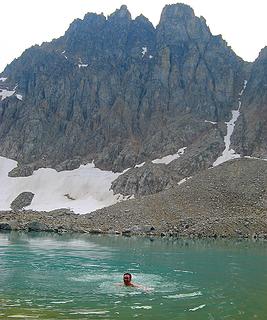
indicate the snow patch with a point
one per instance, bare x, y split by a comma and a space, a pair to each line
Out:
144, 51
243, 89
81, 64
63, 53
228, 153
6, 93
139, 165
82, 190
150, 56
184, 180
171, 157
3, 79
165, 160
19, 96
255, 158
197, 308
212, 122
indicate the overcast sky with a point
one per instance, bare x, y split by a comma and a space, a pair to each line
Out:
23, 23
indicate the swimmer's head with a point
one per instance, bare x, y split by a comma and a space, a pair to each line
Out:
127, 277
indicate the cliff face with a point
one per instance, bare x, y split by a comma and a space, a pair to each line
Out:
250, 137
121, 92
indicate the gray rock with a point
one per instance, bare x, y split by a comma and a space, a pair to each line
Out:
128, 105
69, 164
37, 226
21, 171
24, 199
5, 226
152, 178
133, 104
96, 231
249, 137
142, 229
146, 180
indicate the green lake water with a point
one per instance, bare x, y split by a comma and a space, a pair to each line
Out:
48, 276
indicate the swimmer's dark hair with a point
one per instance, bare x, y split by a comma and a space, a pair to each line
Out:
128, 274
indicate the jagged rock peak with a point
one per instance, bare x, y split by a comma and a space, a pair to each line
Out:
178, 23
122, 13
90, 16
85, 23
263, 54
178, 10
142, 20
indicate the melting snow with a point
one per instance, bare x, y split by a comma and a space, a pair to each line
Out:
184, 180
82, 190
212, 122
164, 160
244, 87
228, 153
255, 158
144, 51
139, 165
81, 64
3, 79
196, 308
6, 93
170, 158
64, 54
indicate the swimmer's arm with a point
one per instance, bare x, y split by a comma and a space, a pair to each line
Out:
118, 284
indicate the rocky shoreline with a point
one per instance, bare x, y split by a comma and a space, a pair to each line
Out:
227, 201
61, 221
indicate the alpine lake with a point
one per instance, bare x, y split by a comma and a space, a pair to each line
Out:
75, 276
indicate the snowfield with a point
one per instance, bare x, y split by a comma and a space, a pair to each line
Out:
82, 190
228, 153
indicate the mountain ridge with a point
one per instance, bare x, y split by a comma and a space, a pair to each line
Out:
121, 92
127, 58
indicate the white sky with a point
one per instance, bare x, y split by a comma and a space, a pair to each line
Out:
23, 23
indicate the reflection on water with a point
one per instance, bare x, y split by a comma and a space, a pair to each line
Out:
50, 276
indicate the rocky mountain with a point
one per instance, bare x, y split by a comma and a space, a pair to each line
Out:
230, 199
250, 136
118, 90
227, 201
121, 92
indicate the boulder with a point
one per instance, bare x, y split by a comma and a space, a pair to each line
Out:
24, 199
37, 226
5, 226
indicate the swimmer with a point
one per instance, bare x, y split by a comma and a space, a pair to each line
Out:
127, 278
127, 281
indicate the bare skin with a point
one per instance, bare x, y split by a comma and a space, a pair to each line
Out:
127, 281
